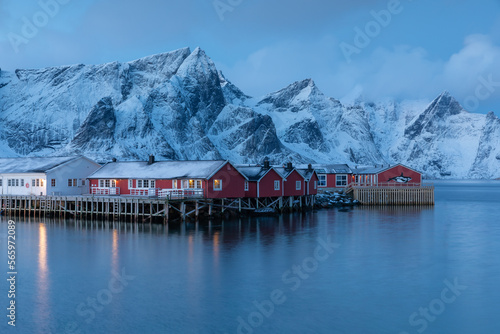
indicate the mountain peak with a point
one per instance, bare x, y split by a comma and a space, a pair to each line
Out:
443, 106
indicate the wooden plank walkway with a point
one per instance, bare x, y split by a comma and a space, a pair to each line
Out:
141, 208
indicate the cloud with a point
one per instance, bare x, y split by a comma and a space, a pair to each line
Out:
401, 72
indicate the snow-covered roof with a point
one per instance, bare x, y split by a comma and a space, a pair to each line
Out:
253, 172
159, 170
284, 172
332, 169
31, 165
306, 173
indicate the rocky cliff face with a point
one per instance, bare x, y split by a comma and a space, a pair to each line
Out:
177, 105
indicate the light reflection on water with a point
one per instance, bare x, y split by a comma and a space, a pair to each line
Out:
200, 277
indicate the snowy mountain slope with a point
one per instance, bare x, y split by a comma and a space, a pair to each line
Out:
319, 127
177, 105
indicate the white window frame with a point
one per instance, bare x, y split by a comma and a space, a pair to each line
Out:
341, 180
277, 184
107, 183
130, 183
219, 188
298, 185
53, 182
246, 186
322, 183
315, 185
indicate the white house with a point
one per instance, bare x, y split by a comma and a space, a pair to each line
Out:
45, 176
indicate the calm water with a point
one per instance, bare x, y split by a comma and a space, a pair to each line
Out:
383, 270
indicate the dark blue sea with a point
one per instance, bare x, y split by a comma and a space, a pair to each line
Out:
370, 270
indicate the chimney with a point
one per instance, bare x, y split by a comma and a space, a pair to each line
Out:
266, 164
114, 159
151, 159
309, 167
289, 166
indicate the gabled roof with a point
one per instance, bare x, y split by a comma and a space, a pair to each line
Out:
306, 173
33, 165
377, 169
253, 172
188, 169
284, 172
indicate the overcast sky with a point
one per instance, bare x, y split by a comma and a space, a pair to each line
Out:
408, 49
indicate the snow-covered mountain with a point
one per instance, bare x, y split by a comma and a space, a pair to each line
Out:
177, 105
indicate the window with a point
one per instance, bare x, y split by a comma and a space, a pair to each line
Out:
145, 183
174, 184
1, 182
315, 184
17, 182
341, 180
41, 182
37, 182
9, 182
72, 182
22, 182
52, 182
130, 183
107, 183
217, 185
82, 182
298, 185
192, 184
322, 180
277, 185
246, 185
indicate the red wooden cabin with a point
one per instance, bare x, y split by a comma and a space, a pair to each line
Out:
173, 179
390, 176
262, 181
294, 182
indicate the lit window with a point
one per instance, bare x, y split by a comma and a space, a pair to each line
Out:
41, 182
218, 185
174, 185
52, 182
298, 185
246, 185
191, 184
277, 185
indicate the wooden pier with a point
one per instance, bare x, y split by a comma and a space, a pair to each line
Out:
145, 209
422, 194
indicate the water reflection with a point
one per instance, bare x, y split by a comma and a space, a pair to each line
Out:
43, 303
